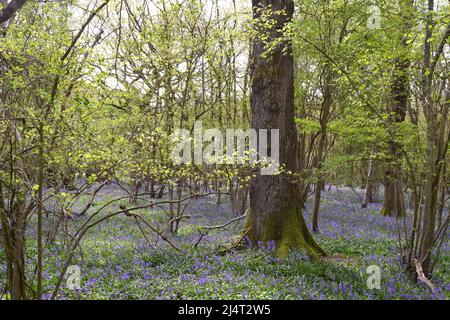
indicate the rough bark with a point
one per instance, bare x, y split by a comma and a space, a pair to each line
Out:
394, 202
275, 213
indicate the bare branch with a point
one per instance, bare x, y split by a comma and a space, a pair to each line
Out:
10, 10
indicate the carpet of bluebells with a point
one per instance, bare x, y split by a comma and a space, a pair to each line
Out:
118, 263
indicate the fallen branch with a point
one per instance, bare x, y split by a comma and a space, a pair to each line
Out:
180, 218
159, 233
421, 276
226, 223
235, 245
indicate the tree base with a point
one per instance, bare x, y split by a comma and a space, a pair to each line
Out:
290, 234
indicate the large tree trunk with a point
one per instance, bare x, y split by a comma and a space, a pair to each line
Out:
275, 213
394, 202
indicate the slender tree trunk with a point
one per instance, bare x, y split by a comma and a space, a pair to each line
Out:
171, 212
315, 215
368, 193
14, 238
319, 184
179, 209
438, 135
217, 185
161, 191
13, 211
324, 117
275, 213
40, 204
18, 264
152, 188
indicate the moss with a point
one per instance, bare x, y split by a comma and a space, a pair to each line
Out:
295, 235
288, 229
387, 213
384, 211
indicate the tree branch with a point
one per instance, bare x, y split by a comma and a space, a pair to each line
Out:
10, 10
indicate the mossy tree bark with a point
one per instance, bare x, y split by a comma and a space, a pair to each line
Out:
275, 213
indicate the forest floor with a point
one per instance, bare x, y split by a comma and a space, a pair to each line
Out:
118, 263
